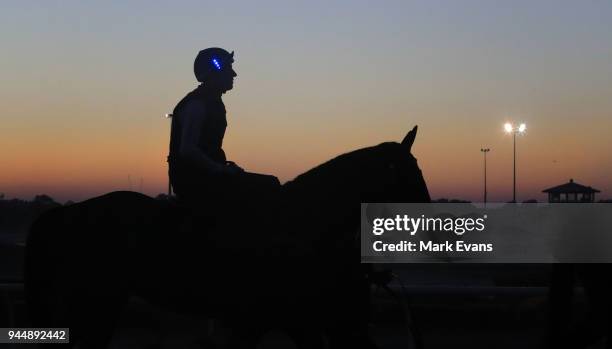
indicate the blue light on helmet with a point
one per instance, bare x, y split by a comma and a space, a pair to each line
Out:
216, 63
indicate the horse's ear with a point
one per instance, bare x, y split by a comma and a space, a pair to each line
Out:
409, 139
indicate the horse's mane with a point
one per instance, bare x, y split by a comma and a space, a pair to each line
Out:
341, 165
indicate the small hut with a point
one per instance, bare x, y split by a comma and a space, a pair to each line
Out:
571, 192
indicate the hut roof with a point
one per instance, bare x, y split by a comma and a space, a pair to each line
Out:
570, 187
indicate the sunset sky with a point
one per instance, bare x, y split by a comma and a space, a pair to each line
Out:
85, 87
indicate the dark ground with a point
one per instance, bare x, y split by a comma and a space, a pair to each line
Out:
453, 306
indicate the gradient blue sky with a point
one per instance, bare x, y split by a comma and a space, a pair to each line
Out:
85, 85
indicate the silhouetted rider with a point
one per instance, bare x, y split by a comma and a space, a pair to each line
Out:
199, 171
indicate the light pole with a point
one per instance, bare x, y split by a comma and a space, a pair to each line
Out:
169, 116
485, 151
509, 128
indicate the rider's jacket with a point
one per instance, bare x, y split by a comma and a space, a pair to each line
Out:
211, 136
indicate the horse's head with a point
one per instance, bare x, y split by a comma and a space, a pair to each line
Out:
384, 173
391, 173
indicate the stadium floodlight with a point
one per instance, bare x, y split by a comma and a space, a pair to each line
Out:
509, 128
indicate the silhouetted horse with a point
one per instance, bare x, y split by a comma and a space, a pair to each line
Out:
290, 262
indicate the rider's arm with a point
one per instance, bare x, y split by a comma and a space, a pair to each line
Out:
192, 117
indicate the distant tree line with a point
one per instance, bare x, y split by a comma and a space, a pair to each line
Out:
16, 214
452, 201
